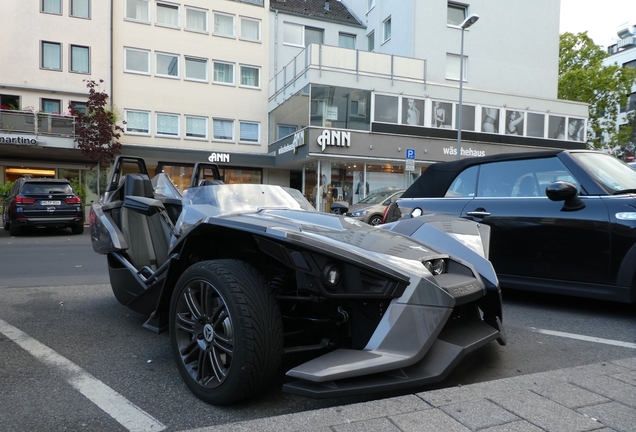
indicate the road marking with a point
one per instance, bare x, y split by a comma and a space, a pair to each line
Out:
586, 338
115, 405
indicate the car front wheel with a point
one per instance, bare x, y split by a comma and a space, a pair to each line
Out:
225, 330
375, 220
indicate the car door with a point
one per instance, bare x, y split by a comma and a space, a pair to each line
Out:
534, 237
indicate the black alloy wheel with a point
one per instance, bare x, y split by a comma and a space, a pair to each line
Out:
225, 330
375, 220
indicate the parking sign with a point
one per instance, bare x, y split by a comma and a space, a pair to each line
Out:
410, 153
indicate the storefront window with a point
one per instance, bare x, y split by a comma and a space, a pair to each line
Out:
341, 108
182, 174
386, 109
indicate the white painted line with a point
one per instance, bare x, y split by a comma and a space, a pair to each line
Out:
115, 405
586, 338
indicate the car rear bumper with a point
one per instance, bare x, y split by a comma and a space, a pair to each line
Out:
67, 221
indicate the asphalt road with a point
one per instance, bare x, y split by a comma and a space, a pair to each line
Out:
73, 358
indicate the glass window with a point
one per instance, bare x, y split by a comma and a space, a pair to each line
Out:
576, 129
284, 130
80, 59
490, 120
313, 36
413, 111
456, 14
339, 107
371, 42
223, 24
53, 106
51, 56
464, 184
137, 122
196, 127
167, 14
631, 64
452, 67
250, 76
386, 30
536, 125
80, 8
514, 122
79, 107
442, 115
9, 102
197, 20
250, 29
51, 6
386, 109
292, 34
137, 60
223, 129
249, 132
167, 65
556, 127
137, 10
168, 125
346, 40
223, 73
196, 68
468, 117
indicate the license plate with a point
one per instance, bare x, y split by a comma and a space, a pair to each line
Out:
50, 202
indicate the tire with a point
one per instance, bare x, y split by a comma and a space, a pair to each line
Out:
14, 230
232, 350
77, 229
375, 220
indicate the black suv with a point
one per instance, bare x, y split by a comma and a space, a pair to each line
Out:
43, 203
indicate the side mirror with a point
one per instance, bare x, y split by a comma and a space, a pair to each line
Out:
566, 192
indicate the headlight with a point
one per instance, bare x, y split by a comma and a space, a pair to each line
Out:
331, 276
626, 216
359, 213
416, 212
436, 267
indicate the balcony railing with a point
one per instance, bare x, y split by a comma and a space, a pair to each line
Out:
348, 61
28, 122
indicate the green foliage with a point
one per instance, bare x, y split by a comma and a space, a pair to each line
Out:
584, 78
5, 189
79, 188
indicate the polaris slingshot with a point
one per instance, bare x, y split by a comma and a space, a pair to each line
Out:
243, 274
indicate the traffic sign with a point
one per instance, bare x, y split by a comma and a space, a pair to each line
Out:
410, 153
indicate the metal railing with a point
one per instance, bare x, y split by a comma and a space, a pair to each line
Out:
37, 123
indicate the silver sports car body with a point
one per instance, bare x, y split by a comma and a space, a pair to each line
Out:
242, 274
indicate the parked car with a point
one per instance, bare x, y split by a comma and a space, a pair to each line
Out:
42, 202
562, 221
371, 208
251, 272
632, 165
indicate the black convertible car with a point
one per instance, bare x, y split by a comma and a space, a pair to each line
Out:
561, 221
242, 274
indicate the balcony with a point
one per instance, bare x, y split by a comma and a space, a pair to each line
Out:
28, 122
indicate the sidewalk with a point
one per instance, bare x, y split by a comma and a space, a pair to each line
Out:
596, 397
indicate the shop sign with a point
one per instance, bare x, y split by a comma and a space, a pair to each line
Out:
219, 157
334, 138
20, 140
466, 152
298, 141
331, 112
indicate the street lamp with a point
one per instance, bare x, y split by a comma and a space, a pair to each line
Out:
470, 20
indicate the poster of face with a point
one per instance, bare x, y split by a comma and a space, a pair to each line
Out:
442, 115
386, 109
556, 127
490, 120
412, 111
576, 129
514, 122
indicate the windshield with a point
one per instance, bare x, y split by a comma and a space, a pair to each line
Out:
232, 198
162, 185
47, 188
377, 197
613, 174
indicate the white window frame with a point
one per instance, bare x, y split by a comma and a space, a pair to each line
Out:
42, 60
454, 61
347, 36
257, 68
371, 37
197, 60
176, 117
203, 138
137, 50
88, 9
233, 83
88, 60
300, 27
128, 122
173, 56
253, 20
135, 18
258, 132
215, 33
214, 138
386, 24
59, 105
54, 2
198, 10
171, 7
456, 5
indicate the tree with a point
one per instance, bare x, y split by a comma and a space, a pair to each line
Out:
584, 78
96, 128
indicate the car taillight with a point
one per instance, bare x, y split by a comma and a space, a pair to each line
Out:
74, 200
22, 200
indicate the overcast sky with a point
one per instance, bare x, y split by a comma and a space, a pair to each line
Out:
600, 18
